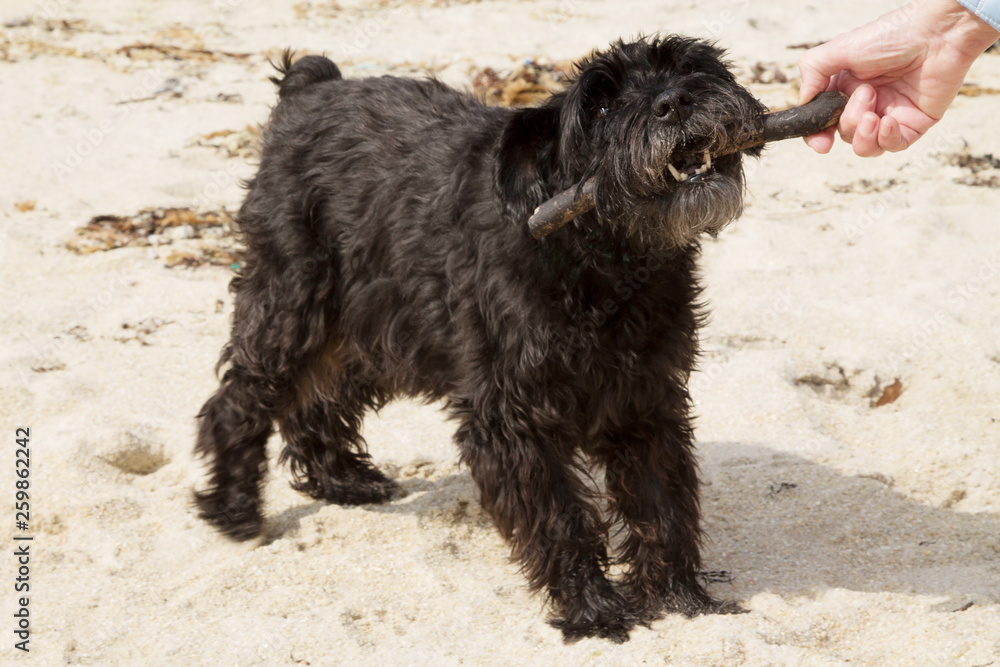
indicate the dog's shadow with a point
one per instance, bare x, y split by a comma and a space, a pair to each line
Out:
450, 500
780, 523
776, 522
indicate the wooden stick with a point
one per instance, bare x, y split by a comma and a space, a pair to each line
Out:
820, 113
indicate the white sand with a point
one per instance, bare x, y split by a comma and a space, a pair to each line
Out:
818, 297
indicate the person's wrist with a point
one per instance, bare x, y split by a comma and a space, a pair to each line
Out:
985, 13
959, 26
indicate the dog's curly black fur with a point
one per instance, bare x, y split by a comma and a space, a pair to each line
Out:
388, 255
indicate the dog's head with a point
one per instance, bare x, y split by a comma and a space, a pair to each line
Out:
646, 119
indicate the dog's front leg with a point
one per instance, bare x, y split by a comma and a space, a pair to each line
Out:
652, 479
530, 488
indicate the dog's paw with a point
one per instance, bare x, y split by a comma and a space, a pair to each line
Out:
236, 515
704, 605
360, 485
690, 601
605, 615
371, 491
615, 629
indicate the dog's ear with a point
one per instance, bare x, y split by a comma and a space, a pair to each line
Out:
525, 161
538, 143
589, 98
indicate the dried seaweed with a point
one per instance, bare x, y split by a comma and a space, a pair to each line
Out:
32, 37
974, 163
146, 51
141, 331
974, 90
991, 181
528, 85
865, 186
984, 170
36, 47
23, 38
201, 237
50, 25
242, 144
764, 73
205, 254
47, 366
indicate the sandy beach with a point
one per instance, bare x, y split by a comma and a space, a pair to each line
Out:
854, 532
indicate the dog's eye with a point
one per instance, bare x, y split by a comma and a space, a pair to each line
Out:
601, 112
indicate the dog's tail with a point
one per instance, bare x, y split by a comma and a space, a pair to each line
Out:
303, 73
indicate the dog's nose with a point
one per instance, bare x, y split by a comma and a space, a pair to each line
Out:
673, 105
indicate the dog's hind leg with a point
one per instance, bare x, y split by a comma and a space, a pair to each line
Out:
652, 480
540, 505
279, 327
235, 424
323, 442
232, 434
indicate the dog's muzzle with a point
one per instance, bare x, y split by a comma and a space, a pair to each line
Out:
691, 169
820, 113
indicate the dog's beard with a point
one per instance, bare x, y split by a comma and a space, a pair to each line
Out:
664, 184
676, 219
663, 212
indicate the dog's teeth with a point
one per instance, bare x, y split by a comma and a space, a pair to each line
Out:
676, 174
708, 160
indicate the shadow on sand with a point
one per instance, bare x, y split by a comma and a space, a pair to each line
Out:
780, 523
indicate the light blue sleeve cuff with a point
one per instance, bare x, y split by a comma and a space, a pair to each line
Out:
987, 10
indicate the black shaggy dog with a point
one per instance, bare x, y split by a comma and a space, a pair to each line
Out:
388, 255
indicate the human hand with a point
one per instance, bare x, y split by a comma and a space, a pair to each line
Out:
902, 71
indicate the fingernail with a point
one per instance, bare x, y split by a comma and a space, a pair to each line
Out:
866, 94
867, 124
